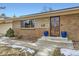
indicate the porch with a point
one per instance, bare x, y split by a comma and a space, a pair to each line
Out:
55, 42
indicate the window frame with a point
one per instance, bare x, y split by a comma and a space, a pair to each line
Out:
24, 26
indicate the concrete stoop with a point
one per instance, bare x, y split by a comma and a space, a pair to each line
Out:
50, 43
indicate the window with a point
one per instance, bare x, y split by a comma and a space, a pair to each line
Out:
27, 23
55, 21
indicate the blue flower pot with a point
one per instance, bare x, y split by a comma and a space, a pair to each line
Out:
46, 33
64, 34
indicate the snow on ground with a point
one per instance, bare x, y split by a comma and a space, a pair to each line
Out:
43, 52
5, 40
69, 52
24, 46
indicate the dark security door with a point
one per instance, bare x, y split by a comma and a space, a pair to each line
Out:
55, 26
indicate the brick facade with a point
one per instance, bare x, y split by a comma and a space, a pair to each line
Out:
70, 23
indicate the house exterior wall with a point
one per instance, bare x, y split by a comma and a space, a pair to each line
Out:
70, 23
41, 25
42, 22
4, 27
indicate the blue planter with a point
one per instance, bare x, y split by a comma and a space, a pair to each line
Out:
46, 33
64, 34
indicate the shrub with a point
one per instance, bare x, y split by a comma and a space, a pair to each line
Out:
57, 52
10, 33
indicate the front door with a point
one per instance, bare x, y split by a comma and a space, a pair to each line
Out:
55, 26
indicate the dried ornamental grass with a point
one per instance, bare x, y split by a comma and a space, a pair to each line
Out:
57, 52
9, 51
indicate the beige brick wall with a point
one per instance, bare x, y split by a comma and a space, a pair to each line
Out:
30, 34
70, 23
41, 25
16, 24
42, 22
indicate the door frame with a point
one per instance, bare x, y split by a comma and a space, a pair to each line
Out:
51, 26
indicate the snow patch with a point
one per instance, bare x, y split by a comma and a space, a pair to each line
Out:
69, 52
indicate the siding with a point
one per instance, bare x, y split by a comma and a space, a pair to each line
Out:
4, 27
